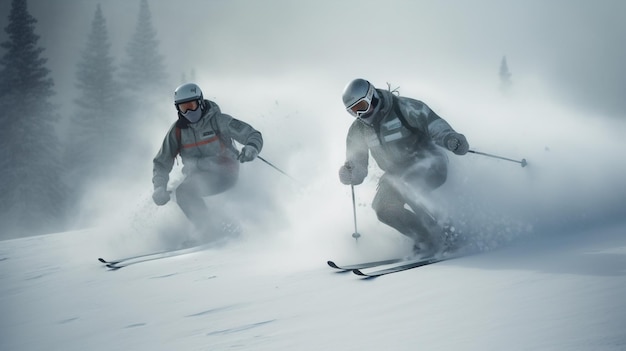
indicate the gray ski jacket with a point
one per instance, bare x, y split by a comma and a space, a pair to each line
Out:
403, 130
206, 144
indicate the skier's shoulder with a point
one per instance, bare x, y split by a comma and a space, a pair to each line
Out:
413, 113
176, 124
226, 123
212, 110
211, 105
213, 116
412, 106
357, 127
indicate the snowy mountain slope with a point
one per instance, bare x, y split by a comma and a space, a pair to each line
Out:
560, 292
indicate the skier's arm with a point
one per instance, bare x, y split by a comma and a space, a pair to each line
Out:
163, 162
444, 136
421, 116
240, 131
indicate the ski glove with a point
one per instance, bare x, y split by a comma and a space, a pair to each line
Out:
351, 175
160, 196
248, 153
456, 143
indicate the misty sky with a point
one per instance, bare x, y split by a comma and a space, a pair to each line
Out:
574, 47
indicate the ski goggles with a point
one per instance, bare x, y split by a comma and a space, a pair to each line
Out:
362, 105
192, 105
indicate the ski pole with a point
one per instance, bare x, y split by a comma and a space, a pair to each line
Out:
356, 234
522, 162
278, 169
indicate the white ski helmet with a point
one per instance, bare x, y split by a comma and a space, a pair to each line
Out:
189, 92
358, 96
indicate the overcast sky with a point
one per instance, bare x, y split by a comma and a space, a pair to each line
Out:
575, 47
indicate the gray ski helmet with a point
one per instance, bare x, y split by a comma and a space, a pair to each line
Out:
357, 96
188, 92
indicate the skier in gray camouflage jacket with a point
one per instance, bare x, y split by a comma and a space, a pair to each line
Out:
204, 137
408, 142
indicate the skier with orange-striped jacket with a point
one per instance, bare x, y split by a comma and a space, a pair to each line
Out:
408, 142
204, 137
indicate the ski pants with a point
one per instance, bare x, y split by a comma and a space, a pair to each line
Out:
406, 187
198, 184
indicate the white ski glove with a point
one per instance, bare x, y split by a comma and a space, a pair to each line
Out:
160, 196
351, 175
456, 143
248, 153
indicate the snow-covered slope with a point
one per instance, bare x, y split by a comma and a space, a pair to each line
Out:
560, 292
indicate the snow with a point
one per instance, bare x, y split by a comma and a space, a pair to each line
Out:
550, 292
557, 283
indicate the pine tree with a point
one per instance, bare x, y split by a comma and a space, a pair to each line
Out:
144, 72
31, 190
505, 76
146, 83
97, 132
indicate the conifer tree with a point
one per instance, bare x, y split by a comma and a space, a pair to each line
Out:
505, 76
31, 188
97, 132
146, 84
144, 72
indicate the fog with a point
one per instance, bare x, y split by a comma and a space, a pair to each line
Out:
282, 65
572, 46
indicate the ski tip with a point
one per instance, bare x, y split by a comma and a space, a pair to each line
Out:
358, 272
108, 262
332, 264
113, 267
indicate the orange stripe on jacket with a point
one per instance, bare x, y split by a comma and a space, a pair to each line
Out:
203, 142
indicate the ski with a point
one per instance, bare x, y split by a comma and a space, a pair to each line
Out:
403, 266
131, 260
126, 263
119, 260
364, 265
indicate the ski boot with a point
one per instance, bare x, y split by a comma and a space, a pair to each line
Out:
426, 248
454, 239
